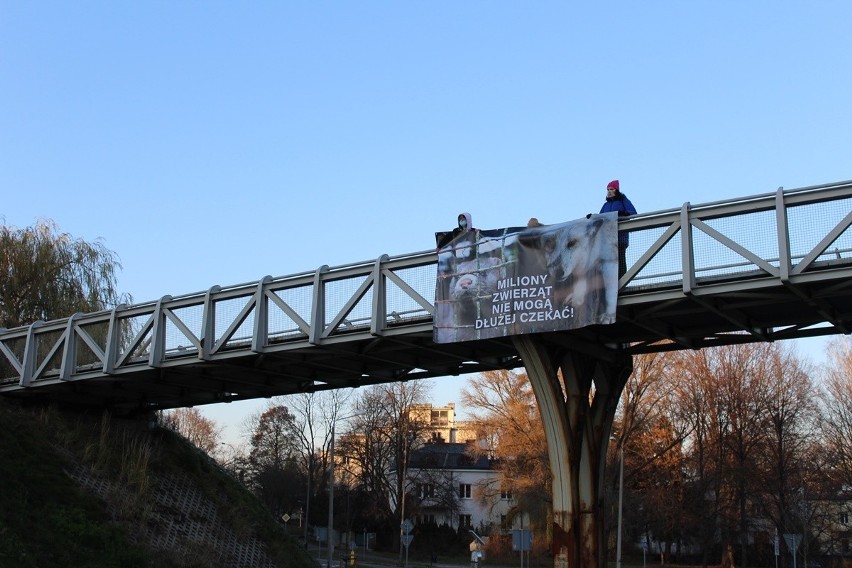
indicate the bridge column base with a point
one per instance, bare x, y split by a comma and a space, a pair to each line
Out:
577, 423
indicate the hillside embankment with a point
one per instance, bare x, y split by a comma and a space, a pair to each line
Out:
87, 490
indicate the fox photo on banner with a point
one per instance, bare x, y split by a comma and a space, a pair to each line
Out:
494, 283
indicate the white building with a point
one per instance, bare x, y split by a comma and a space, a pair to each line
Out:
456, 485
458, 488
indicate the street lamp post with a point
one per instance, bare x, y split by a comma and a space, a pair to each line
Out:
308, 495
620, 497
331, 498
331, 491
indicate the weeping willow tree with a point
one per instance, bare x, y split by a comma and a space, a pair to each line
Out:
46, 274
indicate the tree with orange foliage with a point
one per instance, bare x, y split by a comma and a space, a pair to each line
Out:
203, 432
504, 414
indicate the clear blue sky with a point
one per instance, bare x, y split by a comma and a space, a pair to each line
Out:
218, 142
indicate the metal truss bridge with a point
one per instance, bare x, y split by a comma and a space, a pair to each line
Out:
760, 268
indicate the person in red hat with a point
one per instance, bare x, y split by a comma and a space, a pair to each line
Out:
618, 202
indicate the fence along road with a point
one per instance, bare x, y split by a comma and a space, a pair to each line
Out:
759, 268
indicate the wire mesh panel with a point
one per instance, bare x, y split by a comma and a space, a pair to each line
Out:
401, 306
714, 259
664, 269
338, 293
132, 327
227, 316
281, 325
85, 358
177, 342
810, 223
47, 357
13, 349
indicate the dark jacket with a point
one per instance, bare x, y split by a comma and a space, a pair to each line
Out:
620, 204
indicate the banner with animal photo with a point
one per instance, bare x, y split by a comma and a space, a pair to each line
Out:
494, 283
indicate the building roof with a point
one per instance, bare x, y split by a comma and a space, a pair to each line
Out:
443, 455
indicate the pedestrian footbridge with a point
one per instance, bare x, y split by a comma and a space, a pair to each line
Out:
759, 268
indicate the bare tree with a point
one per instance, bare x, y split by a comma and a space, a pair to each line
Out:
694, 399
437, 489
743, 373
747, 410
791, 409
312, 413
233, 459
649, 438
380, 441
646, 395
830, 474
655, 488
837, 410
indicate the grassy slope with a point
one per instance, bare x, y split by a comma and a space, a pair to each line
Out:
47, 519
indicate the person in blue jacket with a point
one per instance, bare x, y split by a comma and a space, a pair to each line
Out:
617, 201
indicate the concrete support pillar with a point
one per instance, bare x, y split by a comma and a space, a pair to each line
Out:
577, 386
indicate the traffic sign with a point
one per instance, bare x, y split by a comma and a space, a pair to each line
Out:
793, 541
407, 526
406, 539
521, 540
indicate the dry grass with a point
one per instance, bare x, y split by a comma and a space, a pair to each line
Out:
47, 518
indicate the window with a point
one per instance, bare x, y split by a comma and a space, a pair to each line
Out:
506, 494
425, 490
844, 518
426, 520
440, 418
464, 522
464, 491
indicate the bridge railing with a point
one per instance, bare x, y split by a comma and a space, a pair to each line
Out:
387, 296
775, 237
